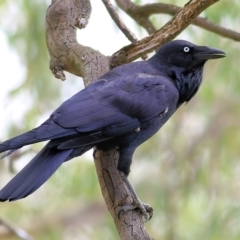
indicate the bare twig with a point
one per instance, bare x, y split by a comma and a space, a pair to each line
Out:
130, 36
142, 13
212, 27
16, 230
17, 155
130, 8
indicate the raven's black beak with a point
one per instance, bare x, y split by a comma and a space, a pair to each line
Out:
206, 53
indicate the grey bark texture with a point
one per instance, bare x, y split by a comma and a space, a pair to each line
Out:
66, 54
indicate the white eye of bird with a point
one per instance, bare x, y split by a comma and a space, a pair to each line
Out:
186, 49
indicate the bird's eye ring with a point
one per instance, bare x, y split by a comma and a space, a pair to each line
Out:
186, 49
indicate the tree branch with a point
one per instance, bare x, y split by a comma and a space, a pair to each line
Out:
62, 20
20, 233
112, 12
131, 9
142, 13
168, 32
130, 224
204, 23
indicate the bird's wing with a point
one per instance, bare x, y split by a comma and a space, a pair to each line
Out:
103, 110
117, 107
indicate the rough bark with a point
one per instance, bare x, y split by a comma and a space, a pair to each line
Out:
129, 224
66, 54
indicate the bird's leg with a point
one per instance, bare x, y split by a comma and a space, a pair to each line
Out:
145, 209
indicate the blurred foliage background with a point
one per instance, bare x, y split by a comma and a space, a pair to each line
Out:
189, 172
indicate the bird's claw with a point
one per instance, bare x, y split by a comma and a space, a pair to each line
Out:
149, 211
146, 210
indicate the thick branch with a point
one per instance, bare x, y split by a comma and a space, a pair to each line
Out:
130, 224
168, 32
63, 18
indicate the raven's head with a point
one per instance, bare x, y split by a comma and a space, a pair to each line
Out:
183, 62
184, 55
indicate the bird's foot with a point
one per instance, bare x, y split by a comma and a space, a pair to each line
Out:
146, 210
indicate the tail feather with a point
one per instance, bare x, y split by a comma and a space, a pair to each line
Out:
34, 174
18, 142
48, 130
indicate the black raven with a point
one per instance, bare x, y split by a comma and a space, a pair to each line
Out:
123, 108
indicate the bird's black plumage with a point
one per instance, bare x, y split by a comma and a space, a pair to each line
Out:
123, 108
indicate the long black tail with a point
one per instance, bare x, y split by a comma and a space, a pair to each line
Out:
35, 173
49, 130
